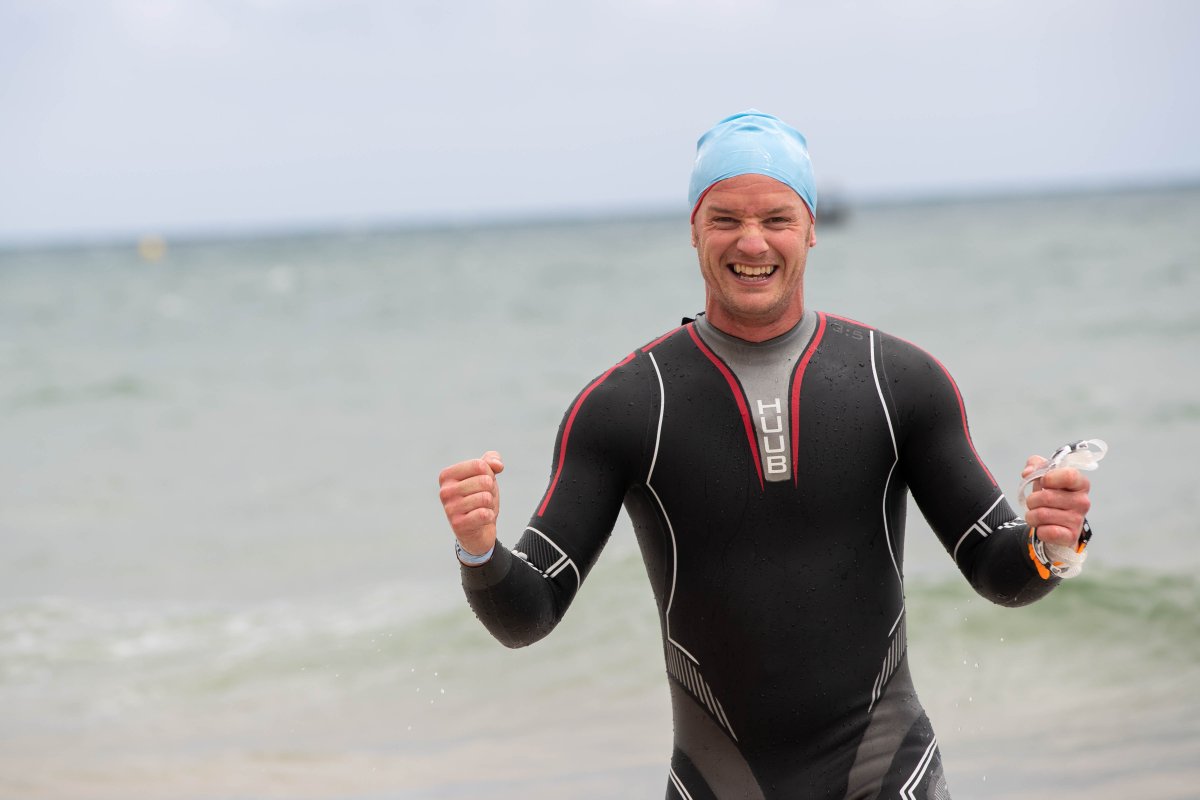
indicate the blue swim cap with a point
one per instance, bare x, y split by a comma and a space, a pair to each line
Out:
753, 143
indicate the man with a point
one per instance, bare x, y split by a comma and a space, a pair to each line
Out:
763, 452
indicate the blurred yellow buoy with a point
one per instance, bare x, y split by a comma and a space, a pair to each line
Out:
152, 248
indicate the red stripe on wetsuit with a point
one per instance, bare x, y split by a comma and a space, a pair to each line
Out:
738, 396
797, 379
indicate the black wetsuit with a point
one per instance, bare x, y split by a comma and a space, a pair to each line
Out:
767, 485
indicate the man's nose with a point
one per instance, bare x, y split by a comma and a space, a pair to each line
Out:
751, 242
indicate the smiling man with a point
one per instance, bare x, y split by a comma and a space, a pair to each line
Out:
764, 452
752, 235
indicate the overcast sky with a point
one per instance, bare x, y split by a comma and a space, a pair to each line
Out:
141, 116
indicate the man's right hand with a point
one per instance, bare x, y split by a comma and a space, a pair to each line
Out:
471, 498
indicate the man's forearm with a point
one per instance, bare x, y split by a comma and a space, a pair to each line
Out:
513, 600
1002, 570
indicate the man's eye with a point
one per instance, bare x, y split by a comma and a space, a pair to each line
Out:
779, 221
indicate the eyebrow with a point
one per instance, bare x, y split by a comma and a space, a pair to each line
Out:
768, 213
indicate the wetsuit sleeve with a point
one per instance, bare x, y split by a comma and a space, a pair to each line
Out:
523, 592
954, 490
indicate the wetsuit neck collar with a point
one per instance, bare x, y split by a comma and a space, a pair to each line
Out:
801, 330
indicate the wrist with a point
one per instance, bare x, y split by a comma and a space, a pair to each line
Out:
470, 559
1061, 561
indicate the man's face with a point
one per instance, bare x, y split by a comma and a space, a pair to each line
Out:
752, 235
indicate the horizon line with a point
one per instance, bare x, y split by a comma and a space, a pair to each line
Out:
219, 233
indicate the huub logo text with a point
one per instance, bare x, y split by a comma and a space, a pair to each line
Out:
771, 433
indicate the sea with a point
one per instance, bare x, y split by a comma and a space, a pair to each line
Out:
226, 574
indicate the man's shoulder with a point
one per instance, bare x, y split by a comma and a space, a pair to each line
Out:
627, 388
636, 362
677, 334
839, 325
680, 334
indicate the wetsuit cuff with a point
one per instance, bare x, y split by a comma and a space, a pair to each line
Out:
489, 573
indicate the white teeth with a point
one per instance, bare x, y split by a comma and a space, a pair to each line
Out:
753, 272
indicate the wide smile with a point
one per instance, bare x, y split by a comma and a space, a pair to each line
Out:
752, 272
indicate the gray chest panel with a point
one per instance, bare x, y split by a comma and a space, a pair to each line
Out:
764, 370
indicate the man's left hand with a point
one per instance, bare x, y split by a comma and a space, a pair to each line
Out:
1058, 504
